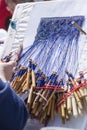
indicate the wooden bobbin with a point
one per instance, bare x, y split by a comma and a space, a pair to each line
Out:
43, 95
78, 100
29, 101
22, 78
62, 113
74, 107
28, 81
33, 85
49, 108
33, 78
49, 99
69, 103
53, 108
80, 92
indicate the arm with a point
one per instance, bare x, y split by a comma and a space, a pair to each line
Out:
13, 112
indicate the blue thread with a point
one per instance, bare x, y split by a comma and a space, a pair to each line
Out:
61, 83
56, 46
20, 73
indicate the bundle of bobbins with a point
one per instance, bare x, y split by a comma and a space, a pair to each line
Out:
47, 96
41, 100
74, 101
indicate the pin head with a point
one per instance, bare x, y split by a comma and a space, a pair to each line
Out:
13, 25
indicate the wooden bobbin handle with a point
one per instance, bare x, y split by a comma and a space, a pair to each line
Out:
78, 100
33, 78
69, 105
74, 107
30, 97
49, 99
28, 78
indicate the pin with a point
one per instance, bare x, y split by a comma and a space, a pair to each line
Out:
13, 24
78, 27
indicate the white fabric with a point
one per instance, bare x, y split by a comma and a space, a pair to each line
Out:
28, 17
3, 36
55, 128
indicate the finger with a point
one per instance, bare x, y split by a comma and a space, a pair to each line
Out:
12, 63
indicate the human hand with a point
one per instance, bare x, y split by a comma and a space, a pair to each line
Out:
6, 70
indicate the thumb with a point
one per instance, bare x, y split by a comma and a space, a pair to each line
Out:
12, 63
